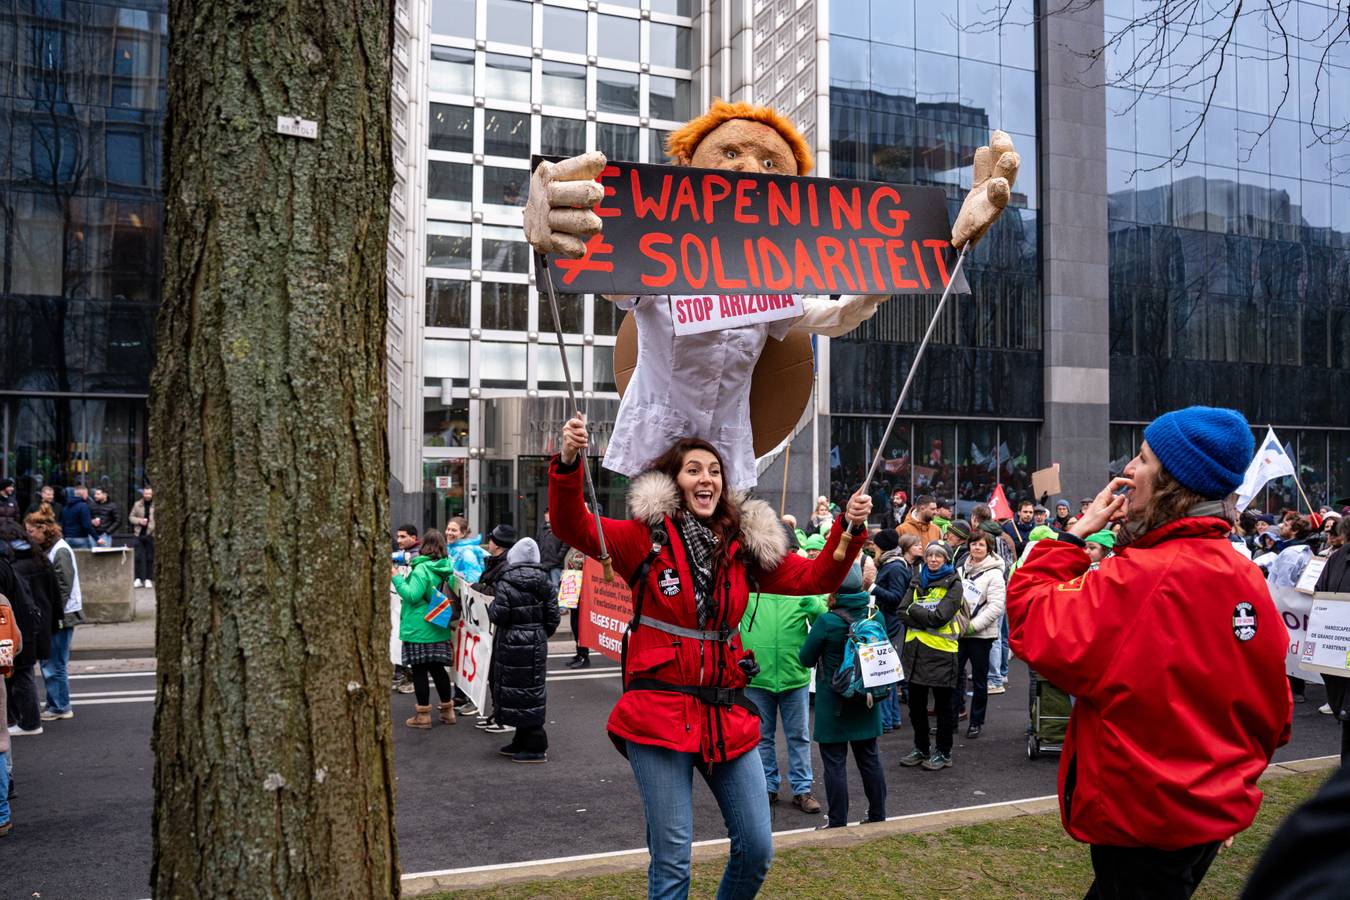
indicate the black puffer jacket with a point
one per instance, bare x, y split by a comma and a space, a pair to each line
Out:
525, 610
36, 604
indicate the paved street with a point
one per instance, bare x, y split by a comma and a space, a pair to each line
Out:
83, 802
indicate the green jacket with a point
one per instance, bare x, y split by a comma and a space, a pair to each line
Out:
838, 719
780, 627
415, 591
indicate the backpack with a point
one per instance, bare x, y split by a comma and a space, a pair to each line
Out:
847, 681
11, 641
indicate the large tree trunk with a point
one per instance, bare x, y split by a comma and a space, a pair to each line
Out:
273, 750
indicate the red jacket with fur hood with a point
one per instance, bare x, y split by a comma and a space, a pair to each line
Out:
671, 719
1174, 653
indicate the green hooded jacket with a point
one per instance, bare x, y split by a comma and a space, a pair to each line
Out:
780, 627
415, 591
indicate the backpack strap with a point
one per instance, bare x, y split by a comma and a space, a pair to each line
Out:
659, 539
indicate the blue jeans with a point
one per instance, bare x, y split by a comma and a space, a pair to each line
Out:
999, 656
665, 781
792, 706
4, 788
54, 671
890, 709
80, 543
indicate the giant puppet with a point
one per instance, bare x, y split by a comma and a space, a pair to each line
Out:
699, 384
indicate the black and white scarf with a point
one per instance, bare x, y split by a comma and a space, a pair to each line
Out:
699, 545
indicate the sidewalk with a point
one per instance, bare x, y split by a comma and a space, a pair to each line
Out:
121, 640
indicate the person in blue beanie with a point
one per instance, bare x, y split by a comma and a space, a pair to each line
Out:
1174, 654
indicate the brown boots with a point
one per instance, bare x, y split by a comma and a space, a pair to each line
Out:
422, 718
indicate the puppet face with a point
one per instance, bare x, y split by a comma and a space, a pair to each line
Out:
700, 483
740, 145
1095, 551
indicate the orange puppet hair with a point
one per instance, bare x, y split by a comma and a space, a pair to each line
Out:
685, 141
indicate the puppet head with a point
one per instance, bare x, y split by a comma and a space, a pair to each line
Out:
741, 137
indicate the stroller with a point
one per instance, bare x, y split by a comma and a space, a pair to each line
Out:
1050, 708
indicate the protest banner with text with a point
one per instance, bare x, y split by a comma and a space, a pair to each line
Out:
605, 611
683, 231
473, 646
1294, 607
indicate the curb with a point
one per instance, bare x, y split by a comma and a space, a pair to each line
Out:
420, 884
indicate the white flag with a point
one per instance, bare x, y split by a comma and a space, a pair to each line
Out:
1271, 461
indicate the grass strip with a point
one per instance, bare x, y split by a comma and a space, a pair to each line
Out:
1018, 857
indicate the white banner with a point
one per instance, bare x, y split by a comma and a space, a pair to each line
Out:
880, 664
1294, 608
1328, 641
395, 609
694, 315
473, 647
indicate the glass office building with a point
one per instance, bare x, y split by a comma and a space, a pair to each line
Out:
506, 79
1227, 275
913, 92
81, 123
1230, 270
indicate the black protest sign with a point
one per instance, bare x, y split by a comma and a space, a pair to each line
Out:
678, 230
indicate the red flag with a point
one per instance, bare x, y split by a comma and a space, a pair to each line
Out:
999, 505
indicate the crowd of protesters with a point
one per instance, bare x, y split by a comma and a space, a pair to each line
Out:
767, 617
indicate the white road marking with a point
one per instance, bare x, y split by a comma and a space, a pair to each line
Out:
95, 694
150, 674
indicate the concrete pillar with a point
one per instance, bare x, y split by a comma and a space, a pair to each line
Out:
1075, 287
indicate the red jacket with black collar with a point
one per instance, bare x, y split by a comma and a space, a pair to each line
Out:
1174, 653
671, 719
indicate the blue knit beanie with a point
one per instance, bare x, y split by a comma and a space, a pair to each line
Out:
1205, 448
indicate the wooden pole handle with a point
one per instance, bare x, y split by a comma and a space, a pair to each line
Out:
841, 549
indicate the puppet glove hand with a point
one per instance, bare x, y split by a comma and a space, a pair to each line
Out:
995, 171
558, 215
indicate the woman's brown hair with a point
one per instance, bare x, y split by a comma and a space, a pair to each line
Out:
725, 521
990, 542
46, 523
433, 544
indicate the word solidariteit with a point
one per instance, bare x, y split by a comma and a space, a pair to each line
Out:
679, 231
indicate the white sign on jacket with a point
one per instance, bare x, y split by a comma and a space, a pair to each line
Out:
698, 385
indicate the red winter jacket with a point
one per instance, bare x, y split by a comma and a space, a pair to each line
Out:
1179, 706
666, 718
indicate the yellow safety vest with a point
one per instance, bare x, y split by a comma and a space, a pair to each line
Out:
944, 638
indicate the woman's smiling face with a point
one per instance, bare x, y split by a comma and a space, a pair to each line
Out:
700, 483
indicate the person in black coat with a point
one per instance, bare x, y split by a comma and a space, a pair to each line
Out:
552, 552
894, 569
9, 507
893, 513
27, 578
1309, 856
105, 515
524, 609
1335, 578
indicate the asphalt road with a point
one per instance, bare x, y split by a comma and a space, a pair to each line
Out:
83, 802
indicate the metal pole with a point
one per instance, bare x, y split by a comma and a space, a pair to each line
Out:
541, 266
842, 549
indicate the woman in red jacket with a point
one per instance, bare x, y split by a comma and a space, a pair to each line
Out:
1174, 653
693, 554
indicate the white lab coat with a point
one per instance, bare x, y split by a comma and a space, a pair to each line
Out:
698, 385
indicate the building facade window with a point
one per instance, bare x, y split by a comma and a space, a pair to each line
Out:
1228, 267
909, 103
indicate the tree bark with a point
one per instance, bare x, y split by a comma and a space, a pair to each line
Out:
273, 750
